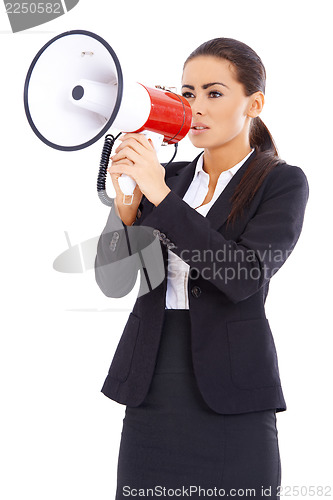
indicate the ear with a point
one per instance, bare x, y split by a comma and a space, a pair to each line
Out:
257, 101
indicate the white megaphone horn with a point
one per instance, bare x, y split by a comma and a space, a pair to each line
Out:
75, 91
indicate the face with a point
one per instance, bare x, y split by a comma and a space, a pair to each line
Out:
219, 105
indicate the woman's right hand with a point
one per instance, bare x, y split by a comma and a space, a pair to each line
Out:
127, 213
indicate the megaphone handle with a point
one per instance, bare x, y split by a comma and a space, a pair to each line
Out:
126, 183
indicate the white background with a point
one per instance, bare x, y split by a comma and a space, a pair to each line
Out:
59, 434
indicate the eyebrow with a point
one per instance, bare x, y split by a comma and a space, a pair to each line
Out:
207, 85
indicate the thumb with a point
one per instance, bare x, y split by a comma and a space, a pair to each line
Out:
114, 178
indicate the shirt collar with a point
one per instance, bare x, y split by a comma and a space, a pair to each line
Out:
230, 172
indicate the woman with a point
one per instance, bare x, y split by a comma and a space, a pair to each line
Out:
196, 365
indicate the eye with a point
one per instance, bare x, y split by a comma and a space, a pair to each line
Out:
187, 95
214, 94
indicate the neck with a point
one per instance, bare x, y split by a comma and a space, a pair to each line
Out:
217, 160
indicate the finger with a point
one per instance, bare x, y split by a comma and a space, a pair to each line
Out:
128, 153
114, 178
121, 168
133, 144
140, 138
125, 161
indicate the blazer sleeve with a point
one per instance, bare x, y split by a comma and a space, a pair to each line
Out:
121, 252
115, 270
248, 263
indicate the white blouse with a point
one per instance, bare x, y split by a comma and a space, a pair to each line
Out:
178, 270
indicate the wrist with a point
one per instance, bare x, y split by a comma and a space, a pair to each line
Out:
161, 195
127, 213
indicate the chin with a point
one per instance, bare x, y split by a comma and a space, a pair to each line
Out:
200, 142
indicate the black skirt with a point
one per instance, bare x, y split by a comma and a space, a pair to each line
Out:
173, 444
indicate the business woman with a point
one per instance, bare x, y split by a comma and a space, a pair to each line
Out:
196, 365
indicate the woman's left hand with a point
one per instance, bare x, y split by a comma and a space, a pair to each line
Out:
145, 169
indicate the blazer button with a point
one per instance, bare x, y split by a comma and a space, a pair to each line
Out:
156, 232
196, 291
162, 237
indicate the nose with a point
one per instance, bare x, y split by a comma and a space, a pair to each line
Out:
198, 108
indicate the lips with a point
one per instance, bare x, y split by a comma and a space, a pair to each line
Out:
199, 126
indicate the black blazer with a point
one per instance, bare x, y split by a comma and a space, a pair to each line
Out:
233, 350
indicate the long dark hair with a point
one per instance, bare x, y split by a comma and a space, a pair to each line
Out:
251, 73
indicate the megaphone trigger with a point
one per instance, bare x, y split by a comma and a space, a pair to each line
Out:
154, 138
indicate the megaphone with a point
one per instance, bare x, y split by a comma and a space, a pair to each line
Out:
75, 91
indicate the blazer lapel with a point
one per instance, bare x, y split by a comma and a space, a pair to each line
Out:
181, 180
220, 210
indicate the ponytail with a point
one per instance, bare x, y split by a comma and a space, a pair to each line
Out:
260, 137
266, 159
